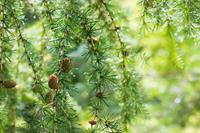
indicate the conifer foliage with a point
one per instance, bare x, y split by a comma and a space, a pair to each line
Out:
178, 19
46, 100
65, 26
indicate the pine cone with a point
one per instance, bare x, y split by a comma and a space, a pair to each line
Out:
99, 94
53, 82
92, 122
66, 64
125, 53
93, 40
36, 88
49, 97
9, 83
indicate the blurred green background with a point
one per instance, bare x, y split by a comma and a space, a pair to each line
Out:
172, 94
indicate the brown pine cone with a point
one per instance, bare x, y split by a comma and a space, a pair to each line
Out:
99, 94
53, 82
92, 122
9, 83
66, 64
49, 97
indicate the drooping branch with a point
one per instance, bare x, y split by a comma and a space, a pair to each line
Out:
129, 87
